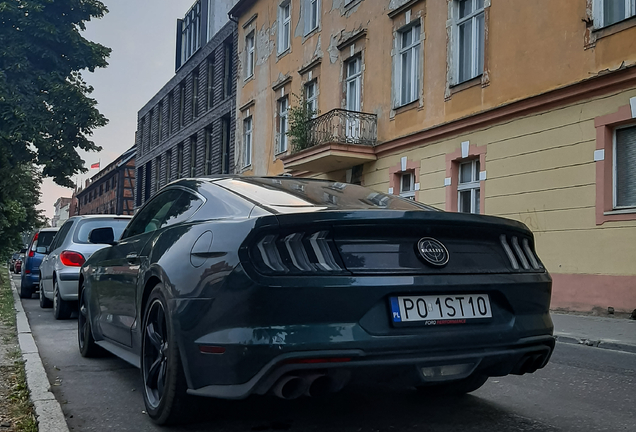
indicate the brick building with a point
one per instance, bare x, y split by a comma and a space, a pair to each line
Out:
187, 128
110, 191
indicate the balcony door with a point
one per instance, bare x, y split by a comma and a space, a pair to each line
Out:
353, 97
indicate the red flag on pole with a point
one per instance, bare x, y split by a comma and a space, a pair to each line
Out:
95, 165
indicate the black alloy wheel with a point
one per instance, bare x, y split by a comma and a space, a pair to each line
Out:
163, 378
87, 345
61, 308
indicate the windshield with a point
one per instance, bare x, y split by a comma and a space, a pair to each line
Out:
44, 239
85, 227
290, 194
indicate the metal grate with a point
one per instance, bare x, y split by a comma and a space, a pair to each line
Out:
341, 126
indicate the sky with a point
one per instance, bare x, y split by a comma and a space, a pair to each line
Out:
142, 36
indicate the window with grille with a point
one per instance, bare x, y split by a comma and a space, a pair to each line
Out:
311, 97
249, 55
247, 141
407, 185
408, 64
625, 168
195, 93
468, 193
283, 105
469, 36
284, 27
311, 12
608, 12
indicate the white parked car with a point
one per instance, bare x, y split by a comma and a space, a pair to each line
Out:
60, 268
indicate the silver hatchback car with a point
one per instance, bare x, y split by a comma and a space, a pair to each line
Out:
59, 271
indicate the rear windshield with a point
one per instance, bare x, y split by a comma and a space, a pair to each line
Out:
292, 194
44, 238
86, 226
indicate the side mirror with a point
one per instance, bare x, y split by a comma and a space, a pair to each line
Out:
42, 250
104, 235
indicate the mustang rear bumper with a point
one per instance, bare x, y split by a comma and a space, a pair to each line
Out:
526, 356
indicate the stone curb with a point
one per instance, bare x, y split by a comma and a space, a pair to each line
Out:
615, 346
47, 409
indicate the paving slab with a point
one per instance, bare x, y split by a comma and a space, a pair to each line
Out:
602, 332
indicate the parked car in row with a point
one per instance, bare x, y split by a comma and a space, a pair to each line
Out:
17, 266
30, 280
231, 286
59, 270
14, 258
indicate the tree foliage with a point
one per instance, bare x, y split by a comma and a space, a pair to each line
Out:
19, 196
45, 111
299, 116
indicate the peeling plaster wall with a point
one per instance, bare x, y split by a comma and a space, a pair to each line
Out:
524, 57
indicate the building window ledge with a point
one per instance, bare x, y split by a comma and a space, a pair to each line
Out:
611, 29
631, 210
473, 82
407, 107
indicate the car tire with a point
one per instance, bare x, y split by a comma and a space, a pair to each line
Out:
85, 340
61, 308
26, 292
44, 302
164, 383
454, 388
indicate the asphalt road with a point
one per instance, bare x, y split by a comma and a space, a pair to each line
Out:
582, 389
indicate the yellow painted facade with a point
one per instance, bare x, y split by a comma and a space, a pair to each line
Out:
550, 72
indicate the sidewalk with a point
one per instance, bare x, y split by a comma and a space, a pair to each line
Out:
609, 333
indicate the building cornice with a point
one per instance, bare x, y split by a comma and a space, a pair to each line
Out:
601, 84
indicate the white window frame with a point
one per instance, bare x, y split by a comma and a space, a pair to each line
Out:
473, 186
414, 49
457, 23
312, 101
614, 169
247, 141
598, 12
410, 192
284, 27
283, 124
250, 49
311, 12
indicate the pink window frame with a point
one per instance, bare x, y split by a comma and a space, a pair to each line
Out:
395, 174
452, 171
605, 126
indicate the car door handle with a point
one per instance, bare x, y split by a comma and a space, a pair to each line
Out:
132, 258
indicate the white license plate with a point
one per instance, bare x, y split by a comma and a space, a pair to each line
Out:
444, 307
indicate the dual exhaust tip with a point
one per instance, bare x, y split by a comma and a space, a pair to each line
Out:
312, 385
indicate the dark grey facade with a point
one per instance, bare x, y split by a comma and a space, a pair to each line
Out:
187, 128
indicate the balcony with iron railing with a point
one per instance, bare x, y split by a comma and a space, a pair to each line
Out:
339, 139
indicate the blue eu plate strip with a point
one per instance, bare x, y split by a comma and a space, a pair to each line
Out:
395, 309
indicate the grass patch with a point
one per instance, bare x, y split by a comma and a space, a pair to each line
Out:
7, 311
20, 406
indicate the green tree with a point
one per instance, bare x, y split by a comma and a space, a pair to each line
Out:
299, 116
45, 111
19, 196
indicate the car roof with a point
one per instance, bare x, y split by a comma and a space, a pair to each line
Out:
100, 216
49, 229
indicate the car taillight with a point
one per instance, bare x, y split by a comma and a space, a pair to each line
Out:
520, 254
297, 252
72, 259
34, 245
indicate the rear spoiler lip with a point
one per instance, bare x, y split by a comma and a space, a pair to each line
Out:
373, 217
